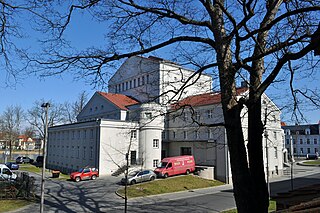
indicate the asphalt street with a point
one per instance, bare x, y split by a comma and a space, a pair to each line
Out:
99, 195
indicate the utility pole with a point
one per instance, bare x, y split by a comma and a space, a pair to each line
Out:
46, 108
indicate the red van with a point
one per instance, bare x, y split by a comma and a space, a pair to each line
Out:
175, 166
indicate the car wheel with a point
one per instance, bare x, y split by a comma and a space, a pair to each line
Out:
77, 179
152, 178
188, 171
165, 175
133, 182
94, 177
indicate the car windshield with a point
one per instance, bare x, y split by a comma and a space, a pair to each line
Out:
80, 170
162, 165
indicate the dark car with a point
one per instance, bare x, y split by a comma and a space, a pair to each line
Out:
39, 159
22, 159
312, 157
12, 166
139, 176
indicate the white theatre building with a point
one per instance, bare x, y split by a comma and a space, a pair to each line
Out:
147, 115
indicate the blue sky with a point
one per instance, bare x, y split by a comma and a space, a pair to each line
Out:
84, 33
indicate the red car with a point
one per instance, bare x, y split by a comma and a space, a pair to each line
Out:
86, 173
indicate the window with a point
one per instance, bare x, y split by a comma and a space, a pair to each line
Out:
142, 80
185, 151
155, 143
78, 152
197, 116
308, 150
316, 150
91, 152
130, 84
133, 158
196, 134
174, 134
301, 150
148, 115
293, 141
138, 81
294, 150
210, 113
134, 83
91, 133
133, 133
155, 162
185, 116
301, 141
185, 134
275, 135
288, 141
315, 141
308, 141
147, 79
307, 131
275, 152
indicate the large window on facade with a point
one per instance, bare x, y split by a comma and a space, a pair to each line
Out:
210, 113
185, 151
275, 152
315, 141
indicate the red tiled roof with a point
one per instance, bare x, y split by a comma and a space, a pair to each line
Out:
204, 99
121, 101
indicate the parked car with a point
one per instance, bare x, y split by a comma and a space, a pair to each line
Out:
175, 166
139, 176
6, 173
12, 166
23, 159
85, 174
39, 159
312, 157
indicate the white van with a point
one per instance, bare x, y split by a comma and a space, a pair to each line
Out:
6, 173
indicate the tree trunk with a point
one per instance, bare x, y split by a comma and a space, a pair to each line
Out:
239, 165
255, 152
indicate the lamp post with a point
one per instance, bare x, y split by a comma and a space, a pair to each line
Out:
46, 108
267, 158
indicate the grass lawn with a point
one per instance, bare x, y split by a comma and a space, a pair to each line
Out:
10, 205
174, 184
312, 162
272, 207
38, 170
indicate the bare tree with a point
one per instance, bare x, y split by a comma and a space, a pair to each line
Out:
36, 116
12, 117
73, 109
255, 41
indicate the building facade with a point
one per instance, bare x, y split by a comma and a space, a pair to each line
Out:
302, 139
133, 120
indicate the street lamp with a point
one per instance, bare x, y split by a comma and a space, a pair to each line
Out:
46, 108
267, 158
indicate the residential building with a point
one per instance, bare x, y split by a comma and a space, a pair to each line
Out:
134, 121
302, 139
